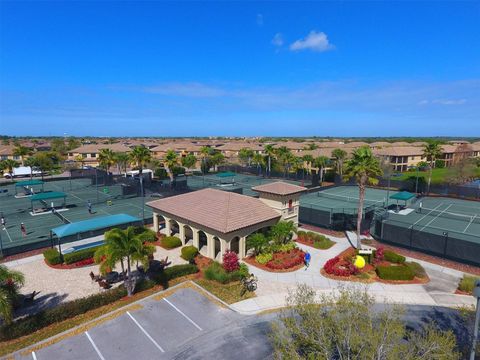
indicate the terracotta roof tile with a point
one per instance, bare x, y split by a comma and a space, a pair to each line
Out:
216, 209
280, 188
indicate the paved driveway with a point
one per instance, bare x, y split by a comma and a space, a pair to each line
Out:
170, 328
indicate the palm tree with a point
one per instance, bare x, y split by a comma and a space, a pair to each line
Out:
217, 159
431, 151
79, 159
205, 152
308, 159
339, 156
365, 168
8, 165
21, 151
32, 163
321, 162
259, 161
121, 159
284, 156
10, 283
270, 152
139, 156
170, 161
246, 155
189, 161
106, 158
123, 246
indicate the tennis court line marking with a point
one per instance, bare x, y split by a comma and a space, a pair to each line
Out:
94, 346
424, 216
34, 356
181, 313
470, 223
9, 238
145, 332
436, 217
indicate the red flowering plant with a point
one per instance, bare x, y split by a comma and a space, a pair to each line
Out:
230, 261
340, 267
379, 255
287, 260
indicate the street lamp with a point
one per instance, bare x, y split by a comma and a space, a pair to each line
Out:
476, 293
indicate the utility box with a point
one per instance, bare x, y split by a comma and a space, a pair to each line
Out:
476, 289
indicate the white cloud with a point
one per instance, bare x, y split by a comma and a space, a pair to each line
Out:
277, 40
259, 19
443, 102
192, 89
315, 41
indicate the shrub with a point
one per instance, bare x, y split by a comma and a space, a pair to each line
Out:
301, 234
317, 240
148, 236
286, 260
52, 256
243, 270
339, 267
80, 255
400, 272
170, 242
393, 257
73, 308
379, 254
189, 252
216, 272
467, 283
417, 269
230, 261
323, 244
264, 258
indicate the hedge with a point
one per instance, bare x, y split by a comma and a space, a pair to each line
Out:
393, 257
79, 255
400, 272
467, 283
171, 242
52, 256
35, 322
417, 269
216, 272
189, 252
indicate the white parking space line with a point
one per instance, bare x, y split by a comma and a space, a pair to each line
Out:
185, 316
470, 223
94, 346
423, 217
34, 356
145, 332
436, 217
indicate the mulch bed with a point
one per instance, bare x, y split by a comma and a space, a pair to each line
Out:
202, 263
310, 243
368, 267
471, 269
76, 265
253, 262
321, 230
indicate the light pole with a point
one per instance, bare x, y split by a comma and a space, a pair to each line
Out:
416, 183
143, 199
476, 293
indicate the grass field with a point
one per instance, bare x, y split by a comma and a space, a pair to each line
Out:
439, 176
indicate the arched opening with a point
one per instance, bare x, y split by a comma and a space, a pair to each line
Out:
161, 222
202, 242
218, 247
174, 228
235, 245
188, 235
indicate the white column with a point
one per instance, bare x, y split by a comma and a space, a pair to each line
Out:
155, 222
210, 246
224, 246
242, 247
181, 232
196, 239
168, 229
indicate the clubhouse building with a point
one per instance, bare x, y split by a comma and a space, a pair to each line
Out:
215, 221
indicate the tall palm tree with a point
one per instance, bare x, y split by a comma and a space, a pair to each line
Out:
79, 159
139, 156
284, 156
106, 158
189, 161
10, 283
122, 159
270, 152
431, 151
365, 168
321, 162
259, 161
308, 159
217, 158
21, 151
123, 246
205, 152
339, 156
246, 155
8, 166
170, 161
32, 163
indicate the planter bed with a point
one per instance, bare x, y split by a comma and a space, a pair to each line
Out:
317, 241
75, 265
341, 268
296, 256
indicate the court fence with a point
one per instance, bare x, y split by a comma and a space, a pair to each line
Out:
449, 244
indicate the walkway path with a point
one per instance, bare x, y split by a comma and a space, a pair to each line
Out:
274, 287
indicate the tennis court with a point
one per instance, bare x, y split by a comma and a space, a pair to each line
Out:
337, 207
241, 183
438, 225
105, 200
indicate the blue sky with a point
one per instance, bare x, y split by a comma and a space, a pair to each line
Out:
246, 69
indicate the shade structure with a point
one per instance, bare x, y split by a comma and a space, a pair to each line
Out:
402, 195
225, 174
97, 223
48, 196
28, 183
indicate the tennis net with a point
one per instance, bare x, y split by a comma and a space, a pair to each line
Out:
351, 199
471, 218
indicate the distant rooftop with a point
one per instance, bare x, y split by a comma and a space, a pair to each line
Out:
279, 188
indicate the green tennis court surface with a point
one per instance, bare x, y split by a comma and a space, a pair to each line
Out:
442, 216
106, 200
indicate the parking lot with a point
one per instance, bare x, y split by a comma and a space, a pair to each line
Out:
162, 329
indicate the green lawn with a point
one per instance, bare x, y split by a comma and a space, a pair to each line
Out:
439, 176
